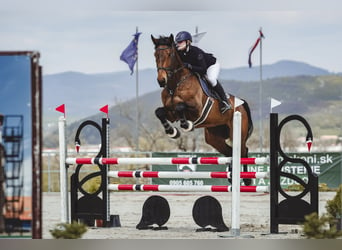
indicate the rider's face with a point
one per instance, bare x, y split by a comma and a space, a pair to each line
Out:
181, 45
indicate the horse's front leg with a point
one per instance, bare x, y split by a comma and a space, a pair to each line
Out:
186, 125
172, 132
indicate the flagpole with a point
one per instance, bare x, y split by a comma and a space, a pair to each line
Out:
196, 34
137, 100
260, 100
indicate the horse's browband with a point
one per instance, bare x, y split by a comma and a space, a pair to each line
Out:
168, 47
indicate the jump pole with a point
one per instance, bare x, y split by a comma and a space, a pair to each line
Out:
166, 160
185, 188
185, 175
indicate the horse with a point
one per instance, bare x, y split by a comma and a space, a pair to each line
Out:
184, 100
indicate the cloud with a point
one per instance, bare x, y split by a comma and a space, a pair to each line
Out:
88, 37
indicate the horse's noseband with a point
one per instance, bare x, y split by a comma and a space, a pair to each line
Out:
168, 71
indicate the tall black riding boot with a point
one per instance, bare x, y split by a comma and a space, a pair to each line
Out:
224, 105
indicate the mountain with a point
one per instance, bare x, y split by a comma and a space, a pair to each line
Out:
83, 93
284, 68
317, 98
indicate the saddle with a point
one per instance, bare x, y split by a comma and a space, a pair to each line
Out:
207, 88
211, 93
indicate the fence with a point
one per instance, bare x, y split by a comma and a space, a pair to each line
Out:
327, 165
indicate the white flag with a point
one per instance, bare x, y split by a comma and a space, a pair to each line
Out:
274, 103
198, 36
238, 102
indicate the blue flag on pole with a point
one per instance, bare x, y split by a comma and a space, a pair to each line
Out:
130, 54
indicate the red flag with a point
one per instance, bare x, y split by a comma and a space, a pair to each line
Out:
261, 35
104, 109
309, 143
61, 109
77, 146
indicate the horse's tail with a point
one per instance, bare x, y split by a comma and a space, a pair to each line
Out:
250, 122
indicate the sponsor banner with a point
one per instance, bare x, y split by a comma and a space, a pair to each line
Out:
326, 165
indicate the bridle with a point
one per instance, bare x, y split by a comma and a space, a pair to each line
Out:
170, 71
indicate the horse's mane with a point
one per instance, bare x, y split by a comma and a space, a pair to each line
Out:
164, 40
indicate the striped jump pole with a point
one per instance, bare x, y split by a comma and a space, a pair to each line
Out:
167, 160
185, 188
185, 175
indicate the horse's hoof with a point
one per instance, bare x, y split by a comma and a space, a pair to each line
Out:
175, 134
188, 127
247, 182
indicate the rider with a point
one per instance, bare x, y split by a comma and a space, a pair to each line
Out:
203, 63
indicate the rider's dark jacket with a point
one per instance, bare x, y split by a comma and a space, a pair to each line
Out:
200, 61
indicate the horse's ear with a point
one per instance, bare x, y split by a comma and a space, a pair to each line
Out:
171, 38
153, 40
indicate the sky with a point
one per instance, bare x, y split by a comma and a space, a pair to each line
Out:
89, 36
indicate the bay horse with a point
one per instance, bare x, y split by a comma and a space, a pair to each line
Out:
184, 100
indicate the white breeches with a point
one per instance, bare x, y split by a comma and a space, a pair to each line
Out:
213, 73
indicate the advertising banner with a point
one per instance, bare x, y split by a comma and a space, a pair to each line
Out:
326, 165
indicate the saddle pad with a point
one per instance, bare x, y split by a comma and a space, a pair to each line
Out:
207, 89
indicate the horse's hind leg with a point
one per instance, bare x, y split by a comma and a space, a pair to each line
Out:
172, 132
247, 182
214, 138
244, 148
